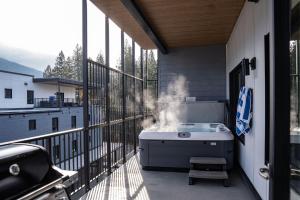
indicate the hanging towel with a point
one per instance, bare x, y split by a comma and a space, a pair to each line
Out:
244, 111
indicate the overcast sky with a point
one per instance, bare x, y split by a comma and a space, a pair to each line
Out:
34, 31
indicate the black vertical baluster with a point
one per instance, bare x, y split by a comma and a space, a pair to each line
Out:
134, 96
73, 157
123, 97
64, 143
93, 91
94, 144
76, 153
98, 114
49, 147
69, 151
55, 151
80, 151
60, 147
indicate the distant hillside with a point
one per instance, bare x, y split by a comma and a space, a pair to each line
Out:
9, 66
35, 60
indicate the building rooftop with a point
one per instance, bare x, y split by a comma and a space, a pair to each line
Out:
16, 68
27, 111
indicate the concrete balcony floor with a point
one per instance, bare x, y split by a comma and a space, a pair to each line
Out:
131, 182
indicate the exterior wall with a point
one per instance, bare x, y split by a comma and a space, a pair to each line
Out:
19, 90
247, 41
45, 91
16, 126
203, 68
20, 84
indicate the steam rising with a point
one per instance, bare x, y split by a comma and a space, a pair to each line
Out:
168, 110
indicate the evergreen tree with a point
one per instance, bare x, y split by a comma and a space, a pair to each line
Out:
77, 62
100, 58
68, 69
152, 66
152, 74
127, 57
48, 72
58, 70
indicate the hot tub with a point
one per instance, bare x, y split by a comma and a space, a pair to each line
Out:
174, 148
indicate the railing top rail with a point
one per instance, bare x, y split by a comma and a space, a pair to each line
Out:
49, 135
55, 99
41, 137
115, 70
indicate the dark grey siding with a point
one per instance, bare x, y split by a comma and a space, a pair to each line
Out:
203, 67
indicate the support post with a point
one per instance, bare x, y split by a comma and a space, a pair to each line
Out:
134, 94
157, 70
142, 77
146, 79
123, 99
85, 97
107, 88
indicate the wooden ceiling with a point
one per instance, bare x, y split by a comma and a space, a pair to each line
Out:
178, 23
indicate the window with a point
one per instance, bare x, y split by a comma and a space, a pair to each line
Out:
74, 146
32, 124
73, 121
56, 151
236, 82
55, 124
8, 93
60, 96
30, 96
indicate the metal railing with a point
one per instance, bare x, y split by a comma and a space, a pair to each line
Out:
116, 112
66, 149
56, 102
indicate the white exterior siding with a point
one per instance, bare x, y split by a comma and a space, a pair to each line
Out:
247, 41
20, 84
44, 91
19, 90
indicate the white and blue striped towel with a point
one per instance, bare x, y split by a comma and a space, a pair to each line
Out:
244, 111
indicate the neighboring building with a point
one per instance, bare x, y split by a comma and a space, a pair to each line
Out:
31, 105
19, 124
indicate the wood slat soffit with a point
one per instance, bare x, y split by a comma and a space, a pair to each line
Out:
177, 23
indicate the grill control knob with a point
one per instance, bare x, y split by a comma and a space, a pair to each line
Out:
14, 169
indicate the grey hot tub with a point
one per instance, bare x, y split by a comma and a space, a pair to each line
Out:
164, 148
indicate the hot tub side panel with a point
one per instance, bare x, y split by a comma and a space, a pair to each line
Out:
176, 154
144, 152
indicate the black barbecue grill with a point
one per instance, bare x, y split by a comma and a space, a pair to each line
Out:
26, 172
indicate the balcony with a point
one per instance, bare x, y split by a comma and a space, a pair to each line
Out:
117, 101
105, 153
56, 102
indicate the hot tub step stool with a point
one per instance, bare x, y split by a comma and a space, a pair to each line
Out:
207, 174
208, 161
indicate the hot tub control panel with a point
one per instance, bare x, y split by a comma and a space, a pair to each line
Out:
184, 134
